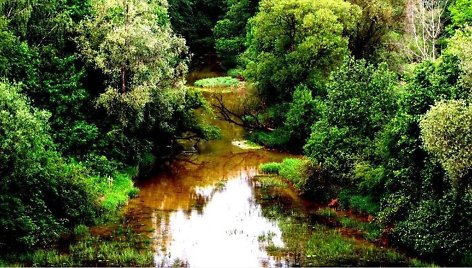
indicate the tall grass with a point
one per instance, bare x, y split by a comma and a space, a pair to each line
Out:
121, 248
117, 190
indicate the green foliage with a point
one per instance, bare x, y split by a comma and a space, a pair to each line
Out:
291, 169
303, 112
461, 46
370, 230
439, 228
230, 31
270, 182
126, 41
461, 13
270, 168
361, 99
226, 81
447, 133
414, 178
369, 179
374, 28
275, 139
296, 41
117, 190
40, 194
195, 20
235, 73
327, 247
360, 203
121, 248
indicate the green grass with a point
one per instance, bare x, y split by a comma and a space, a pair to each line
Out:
328, 247
370, 230
270, 168
327, 213
360, 203
289, 168
117, 192
122, 248
270, 181
225, 81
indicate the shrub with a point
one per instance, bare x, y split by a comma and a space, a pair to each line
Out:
361, 100
275, 139
440, 229
360, 203
303, 111
447, 133
41, 195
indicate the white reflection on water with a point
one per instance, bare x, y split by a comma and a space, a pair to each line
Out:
225, 234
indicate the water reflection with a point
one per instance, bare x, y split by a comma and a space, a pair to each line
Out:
226, 233
202, 212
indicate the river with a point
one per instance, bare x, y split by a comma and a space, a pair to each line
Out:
205, 210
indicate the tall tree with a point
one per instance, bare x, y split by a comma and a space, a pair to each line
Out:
425, 24
194, 20
230, 32
296, 41
132, 43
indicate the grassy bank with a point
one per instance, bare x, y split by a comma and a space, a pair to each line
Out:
120, 248
81, 248
323, 236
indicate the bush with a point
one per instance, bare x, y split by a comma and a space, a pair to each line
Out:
361, 100
440, 229
235, 73
447, 133
303, 112
41, 196
275, 139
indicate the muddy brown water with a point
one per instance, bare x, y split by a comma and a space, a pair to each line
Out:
203, 212
207, 210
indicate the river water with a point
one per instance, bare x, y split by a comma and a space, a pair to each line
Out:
203, 210
206, 210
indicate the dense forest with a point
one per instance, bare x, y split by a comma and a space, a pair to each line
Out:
375, 94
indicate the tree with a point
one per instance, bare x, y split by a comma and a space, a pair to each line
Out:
361, 100
377, 21
296, 41
230, 32
425, 22
446, 131
303, 111
132, 43
194, 20
41, 195
461, 46
461, 14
